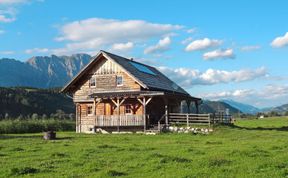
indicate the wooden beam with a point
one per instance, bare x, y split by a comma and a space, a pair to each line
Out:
140, 101
118, 113
197, 107
149, 99
77, 117
114, 102
188, 102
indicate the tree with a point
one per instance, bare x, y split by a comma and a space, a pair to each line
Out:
34, 116
44, 116
60, 114
71, 116
20, 117
286, 113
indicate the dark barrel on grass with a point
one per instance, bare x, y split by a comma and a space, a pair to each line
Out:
49, 135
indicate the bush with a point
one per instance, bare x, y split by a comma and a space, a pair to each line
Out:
35, 125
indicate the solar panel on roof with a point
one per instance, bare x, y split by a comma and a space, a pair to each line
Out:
142, 68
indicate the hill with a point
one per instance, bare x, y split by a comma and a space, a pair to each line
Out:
244, 108
26, 101
217, 106
283, 109
41, 71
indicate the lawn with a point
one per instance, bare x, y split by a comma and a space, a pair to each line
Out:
251, 148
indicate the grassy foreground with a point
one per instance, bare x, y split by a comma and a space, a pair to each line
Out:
252, 148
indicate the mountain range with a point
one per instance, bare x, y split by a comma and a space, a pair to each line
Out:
244, 108
41, 71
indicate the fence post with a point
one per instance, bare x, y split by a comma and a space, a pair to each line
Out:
187, 119
209, 122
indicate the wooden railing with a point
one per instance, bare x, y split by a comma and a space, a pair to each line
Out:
189, 119
194, 119
121, 120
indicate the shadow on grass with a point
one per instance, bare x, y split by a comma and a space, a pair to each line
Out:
284, 128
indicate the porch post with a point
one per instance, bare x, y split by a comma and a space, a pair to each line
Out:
76, 118
118, 104
197, 107
188, 102
166, 111
144, 103
144, 112
118, 112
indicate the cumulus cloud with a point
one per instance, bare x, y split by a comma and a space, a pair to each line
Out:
6, 19
95, 33
190, 77
7, 14
219, 53
11, 2
267, 96
191, 30
8, 10
250, 48
187, 40
202, 44
122, 46
161, 46
280, 41
36, 50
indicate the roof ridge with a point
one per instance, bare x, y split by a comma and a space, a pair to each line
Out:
127, 59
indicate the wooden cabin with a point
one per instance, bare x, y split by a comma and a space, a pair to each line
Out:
119, 94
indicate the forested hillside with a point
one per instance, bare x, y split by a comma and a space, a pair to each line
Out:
24, 102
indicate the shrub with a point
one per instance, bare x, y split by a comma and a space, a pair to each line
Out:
35, 125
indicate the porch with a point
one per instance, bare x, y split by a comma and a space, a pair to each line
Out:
118, 120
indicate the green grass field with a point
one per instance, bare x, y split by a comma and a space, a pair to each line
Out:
251, 148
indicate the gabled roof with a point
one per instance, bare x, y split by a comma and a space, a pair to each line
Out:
151, 80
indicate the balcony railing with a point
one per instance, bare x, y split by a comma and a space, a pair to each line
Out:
121, 120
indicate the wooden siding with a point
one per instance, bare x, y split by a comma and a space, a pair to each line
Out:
105, 73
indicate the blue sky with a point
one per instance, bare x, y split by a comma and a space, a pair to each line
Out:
214, 49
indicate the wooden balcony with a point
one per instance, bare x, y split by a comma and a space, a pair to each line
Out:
121, 120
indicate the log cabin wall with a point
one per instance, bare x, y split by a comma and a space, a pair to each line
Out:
105, 73
87, 121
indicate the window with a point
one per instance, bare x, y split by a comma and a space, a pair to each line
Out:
128, 109
119, 80
92, 81
89, 110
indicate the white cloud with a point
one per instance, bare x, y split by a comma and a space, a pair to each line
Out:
280, 41
6, 19
96, 33
122, 46
190, 77
161, 46
202, 44
187, 40
222, 53
191, 30
250, 48
267, 96
36, 50
228, 94
11, 2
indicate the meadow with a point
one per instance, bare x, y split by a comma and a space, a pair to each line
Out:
250, 148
